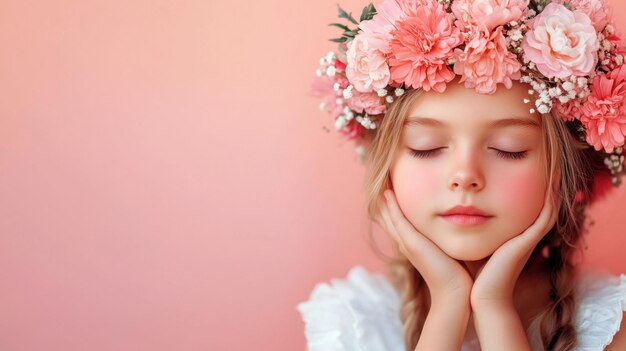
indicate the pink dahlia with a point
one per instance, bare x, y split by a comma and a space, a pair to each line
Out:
421, 45
489, 13
367, 67
370, 103
486, 61
378, 29
561, 42
604, 111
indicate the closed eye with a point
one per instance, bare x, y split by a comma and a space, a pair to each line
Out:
512, 155
504, 154
424, 153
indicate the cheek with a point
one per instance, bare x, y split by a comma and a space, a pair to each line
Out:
522, 195
413, 186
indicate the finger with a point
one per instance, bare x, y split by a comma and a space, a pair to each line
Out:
396, 216
544, 221
388, 225
407, 234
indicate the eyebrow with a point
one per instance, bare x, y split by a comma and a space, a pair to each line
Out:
500, 123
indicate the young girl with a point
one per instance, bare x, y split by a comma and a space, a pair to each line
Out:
484, 190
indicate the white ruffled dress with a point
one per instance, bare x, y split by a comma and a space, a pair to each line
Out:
361, 313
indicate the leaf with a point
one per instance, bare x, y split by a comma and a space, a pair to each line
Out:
344, 14
368, 12
339, 40
345, 28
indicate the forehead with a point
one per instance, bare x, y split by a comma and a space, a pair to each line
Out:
460, 107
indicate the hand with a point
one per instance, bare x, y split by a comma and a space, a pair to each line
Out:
495, 281
445, 276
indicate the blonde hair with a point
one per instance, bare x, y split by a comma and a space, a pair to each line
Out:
574, 167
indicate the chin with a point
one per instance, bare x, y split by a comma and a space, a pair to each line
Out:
468, 252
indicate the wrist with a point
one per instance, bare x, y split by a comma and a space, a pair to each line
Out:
504, 306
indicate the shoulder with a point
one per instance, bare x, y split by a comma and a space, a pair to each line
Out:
359, 312
601, 306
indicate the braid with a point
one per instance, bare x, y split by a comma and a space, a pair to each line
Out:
414, 304
557, 330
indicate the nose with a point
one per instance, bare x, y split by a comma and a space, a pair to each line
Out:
466, 174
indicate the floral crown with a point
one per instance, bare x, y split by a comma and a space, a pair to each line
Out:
568, 51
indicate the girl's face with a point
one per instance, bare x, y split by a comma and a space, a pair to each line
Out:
486, 153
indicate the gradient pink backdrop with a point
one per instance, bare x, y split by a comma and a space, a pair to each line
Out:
165, 182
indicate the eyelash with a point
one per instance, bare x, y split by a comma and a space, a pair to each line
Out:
504, 154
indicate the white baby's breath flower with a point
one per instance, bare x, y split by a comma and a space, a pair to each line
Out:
336, 87
340, 122
330, 57
319, 72
609, 29
543, 109
399, 92
330, 71
347, 93
389, 99
339, 101
381, 92
568, 86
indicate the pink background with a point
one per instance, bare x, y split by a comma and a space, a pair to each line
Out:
165, 181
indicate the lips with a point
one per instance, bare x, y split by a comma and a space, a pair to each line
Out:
467, 211
466, 216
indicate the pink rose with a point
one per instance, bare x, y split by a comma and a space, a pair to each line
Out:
490, 13
561, 42
598, 11
486, 61
370, 103
367, 67
604, 111
422, 43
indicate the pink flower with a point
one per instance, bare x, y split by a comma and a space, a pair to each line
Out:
367, 67
561, 42
616, 48
352, 130
568, 111
604, 111
421, 45
598, 10
322, 87
370, 103
378, 29
490, 13
486, 61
